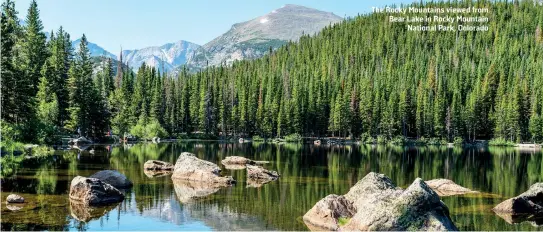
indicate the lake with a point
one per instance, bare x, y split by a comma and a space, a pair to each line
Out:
308, 173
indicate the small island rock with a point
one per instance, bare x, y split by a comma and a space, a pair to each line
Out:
93, 192
529, 202
231, 160
156, 165
188, 167
14, 198
445, 187
260, 173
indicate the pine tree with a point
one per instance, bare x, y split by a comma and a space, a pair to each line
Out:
11, 87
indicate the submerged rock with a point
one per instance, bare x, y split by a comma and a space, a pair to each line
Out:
114, 178
238, 162
231, 160
445, 187
93, 192
259, 173
188, 191
327, 212
14, 198
190, 168
380, 205
527, 206
157, 165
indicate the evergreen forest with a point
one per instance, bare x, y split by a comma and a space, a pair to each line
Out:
363, 78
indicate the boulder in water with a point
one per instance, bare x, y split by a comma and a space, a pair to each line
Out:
14, 198
114, 178
231, 160
445, 187
157, 165
93, 192
529, 203
380, 205
189, 168
259, 173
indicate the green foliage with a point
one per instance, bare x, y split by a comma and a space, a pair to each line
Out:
458, 141
294, 138
257, 138
148, 130
343, 221
501, 142
327, 84
381, 139
398, 140
367, 138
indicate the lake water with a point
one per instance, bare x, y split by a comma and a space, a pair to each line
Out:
308, 173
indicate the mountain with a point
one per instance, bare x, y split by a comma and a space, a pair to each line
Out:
169, 55
94, 49
253, 38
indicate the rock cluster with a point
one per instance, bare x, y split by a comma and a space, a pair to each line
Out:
379, 205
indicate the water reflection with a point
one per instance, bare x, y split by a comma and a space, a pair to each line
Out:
308, 173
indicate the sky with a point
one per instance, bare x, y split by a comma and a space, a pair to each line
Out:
135, 24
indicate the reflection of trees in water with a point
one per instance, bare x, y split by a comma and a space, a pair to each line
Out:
308, 173
47, 180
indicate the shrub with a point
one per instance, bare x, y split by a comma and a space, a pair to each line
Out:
398, 140
293, 138
366, 138
436, 141
149, 131
501, 142
381, 139
458, 141
257, 138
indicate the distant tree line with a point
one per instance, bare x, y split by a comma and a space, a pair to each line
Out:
364, 77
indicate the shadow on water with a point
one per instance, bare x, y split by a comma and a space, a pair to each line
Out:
308, 173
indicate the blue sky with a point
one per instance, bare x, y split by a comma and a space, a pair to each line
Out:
135, 24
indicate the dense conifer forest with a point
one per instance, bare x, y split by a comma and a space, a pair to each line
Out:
362, 78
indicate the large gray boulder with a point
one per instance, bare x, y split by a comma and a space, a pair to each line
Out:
445, 187
328, 211
527, 203
114, 178
14, 198
156, 165
93, 192
190, 168
380, 205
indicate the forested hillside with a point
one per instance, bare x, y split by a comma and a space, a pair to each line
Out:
363, 77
